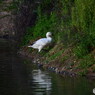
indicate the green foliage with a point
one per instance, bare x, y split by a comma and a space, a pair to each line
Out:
87, 62
28, 36
83, 73
83, 13
86, 45
57, 54
93, 69
83, 18
43, 25
64, 58
80, 51
12, 6
1, 1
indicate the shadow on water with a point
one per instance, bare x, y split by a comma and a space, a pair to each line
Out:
19, 76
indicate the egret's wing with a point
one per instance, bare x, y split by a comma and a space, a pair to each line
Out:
42, 41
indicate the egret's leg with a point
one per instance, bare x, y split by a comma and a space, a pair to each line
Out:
40, 48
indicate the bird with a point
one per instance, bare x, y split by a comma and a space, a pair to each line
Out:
41, 43
94, 90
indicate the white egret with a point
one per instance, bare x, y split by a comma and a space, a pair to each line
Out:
41, 43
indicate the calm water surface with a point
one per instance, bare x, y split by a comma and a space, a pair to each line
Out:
19, 76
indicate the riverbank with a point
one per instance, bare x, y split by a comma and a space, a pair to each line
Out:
65, 64
37, 59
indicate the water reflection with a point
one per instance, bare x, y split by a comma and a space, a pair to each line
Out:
41, 82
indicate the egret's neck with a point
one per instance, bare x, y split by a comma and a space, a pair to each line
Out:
49, 38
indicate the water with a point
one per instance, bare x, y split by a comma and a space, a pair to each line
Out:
19, 76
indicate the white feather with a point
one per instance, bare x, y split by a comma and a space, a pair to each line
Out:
41, 43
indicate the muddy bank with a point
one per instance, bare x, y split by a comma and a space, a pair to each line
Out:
54, 66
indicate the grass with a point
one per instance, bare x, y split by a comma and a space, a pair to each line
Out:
55, 55
83, 72
86, 62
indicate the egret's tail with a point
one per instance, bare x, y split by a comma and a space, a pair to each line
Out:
30, 46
